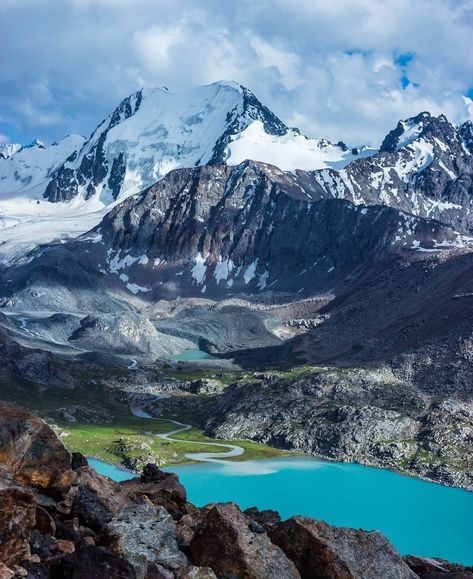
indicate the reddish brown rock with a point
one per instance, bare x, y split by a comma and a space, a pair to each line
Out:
225, 543
163, 490
98, 499
17, 519
31, 452
322, 551
429, 568
44, 521
5, 572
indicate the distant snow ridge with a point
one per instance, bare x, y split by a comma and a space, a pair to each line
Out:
9, 149
26, 170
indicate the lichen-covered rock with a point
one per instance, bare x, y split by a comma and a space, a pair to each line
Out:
144, 534
31, 451
326, 552
225, 543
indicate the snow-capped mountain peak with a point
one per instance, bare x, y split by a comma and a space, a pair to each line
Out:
424, 125
154, 131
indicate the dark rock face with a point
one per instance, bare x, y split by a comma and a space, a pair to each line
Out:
247, 228
93, 168
94, 563
326, 552
225, 543
213, 231
267, 519
98, 499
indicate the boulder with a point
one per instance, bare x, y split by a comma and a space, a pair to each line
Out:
144, 534
322, 551
161, 488
31, 451
225, 543
429, 568
268, 519
91, 562
17, 519
98, 499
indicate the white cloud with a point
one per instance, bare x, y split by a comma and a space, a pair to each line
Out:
153, 45
285, 63
327, 67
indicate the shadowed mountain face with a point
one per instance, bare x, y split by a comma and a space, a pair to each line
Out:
219, 230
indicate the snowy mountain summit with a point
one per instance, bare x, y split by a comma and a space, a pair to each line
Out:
154, 131
424, 166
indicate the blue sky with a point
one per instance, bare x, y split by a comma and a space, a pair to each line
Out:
340, 70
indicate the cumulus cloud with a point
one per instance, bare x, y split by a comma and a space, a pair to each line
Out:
340, 70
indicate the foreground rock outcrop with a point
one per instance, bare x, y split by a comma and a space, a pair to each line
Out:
60, 519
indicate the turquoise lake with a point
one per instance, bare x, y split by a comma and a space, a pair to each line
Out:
189, 355
418, 517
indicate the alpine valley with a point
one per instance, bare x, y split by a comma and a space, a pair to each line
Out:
197, 260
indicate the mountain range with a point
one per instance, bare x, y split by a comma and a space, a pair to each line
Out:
200, 220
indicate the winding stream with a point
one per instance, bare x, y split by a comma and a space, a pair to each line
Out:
217, 457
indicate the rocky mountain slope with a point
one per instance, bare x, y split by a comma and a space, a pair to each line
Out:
350, 259
61, 519
424, 166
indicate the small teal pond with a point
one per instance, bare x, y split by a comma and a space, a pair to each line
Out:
190, 355
418, 517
